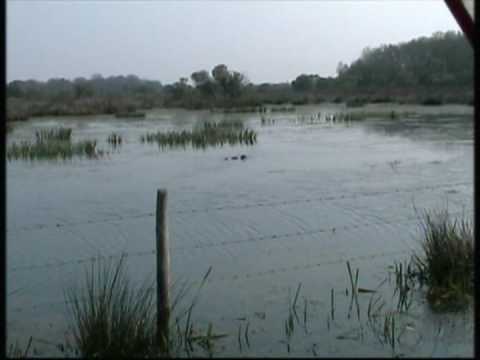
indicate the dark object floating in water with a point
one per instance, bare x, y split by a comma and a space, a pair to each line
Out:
242, 157
131, 114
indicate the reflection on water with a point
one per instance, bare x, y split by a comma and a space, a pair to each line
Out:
308, 197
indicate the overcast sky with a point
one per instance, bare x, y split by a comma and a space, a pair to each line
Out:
270, 41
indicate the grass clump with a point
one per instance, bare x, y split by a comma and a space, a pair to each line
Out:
52, 144
111, 317
55, 134
15, 351
202, 136
114, 139
445, 263
52, 150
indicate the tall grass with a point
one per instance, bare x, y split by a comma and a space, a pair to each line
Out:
111, 317
204, 135
15, 351
445, 262
52, 150
52, 144
55, 134
114, 139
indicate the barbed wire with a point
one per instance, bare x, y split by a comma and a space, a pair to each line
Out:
306, 266
251, 275
296, 234
244, 206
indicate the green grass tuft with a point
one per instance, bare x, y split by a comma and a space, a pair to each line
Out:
114, 139
110, 316
204, 135
445, 263
52, 144
56, 134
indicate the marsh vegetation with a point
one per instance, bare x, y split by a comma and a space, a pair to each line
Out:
446, 261
110, 316
52, 144
114, 139
204, 135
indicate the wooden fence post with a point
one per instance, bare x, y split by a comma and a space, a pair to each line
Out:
163, 268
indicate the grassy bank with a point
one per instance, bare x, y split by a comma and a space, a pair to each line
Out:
23, 109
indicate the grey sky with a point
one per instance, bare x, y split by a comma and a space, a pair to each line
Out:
268, 41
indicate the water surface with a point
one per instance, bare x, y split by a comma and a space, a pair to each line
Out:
310, 195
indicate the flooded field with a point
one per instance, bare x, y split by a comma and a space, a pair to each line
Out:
309, 195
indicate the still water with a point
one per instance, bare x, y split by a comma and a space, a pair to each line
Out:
310, 195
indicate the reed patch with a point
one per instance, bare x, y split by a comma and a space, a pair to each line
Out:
114, 139
445, 261
52, 150
110, 316
203, 136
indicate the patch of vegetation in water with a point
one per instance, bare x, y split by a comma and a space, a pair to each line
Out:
445, 263
362, 115
202, 136
55, 134
52, 144
241, 110
111, 316
114, 139
283, 109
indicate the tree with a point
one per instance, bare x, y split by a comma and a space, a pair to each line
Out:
180, 88
341, 68
220, 73
304, 83
234, 84
14, 89
200, 77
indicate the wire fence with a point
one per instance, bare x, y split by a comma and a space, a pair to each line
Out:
303, 235
252, 275
245, 206
297, 235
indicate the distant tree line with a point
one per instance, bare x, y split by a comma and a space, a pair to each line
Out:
444, 59
440, 66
